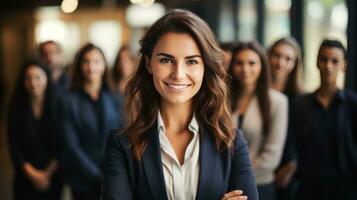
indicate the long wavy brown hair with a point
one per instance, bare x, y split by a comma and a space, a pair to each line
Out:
212, 100
292, 85
262, 85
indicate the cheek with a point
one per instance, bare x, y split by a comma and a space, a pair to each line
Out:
198, 75
257, 71
237, 70
274, 61
44, 84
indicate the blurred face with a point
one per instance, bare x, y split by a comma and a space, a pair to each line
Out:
330, 61
282, 60
177, 68
35, 81
247, 67
127, 63
51, 55
93, 66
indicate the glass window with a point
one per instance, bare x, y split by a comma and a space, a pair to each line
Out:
277, 20
107, 35
247, 20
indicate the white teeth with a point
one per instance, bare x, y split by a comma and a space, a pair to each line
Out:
177, 87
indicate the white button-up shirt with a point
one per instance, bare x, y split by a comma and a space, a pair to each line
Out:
180, 181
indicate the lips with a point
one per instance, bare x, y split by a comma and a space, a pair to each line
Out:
177, 86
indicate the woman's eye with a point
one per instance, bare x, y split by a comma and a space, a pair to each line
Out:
166, 60
192, 62
335, 61
251, 63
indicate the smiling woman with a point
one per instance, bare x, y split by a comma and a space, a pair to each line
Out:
180, 144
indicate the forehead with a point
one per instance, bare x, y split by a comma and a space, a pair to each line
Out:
332, 52
34, 69
93, 53
284, 48
247, 54
50, 47
176, 44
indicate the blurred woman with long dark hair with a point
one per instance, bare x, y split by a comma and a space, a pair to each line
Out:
259, 111
90, 111
33, 136
286, 63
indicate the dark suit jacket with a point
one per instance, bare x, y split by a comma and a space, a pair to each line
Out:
220, 172
85, 127
342, 135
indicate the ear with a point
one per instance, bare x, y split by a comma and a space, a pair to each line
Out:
147, 65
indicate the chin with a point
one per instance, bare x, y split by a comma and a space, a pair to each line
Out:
177, 101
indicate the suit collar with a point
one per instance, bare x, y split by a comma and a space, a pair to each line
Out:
208, 158
153, 166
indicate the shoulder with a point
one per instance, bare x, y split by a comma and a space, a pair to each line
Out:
239, 141
351, 96
278, 99
118, 139
277, 96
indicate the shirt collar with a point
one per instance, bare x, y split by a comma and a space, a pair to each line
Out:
193, 126
340, 96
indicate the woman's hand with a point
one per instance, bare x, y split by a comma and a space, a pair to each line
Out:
234, 195
285, 173
39, 178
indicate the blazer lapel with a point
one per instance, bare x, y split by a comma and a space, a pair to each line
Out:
107, 112
208, 158
153, 166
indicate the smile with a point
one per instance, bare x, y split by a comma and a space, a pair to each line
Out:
177, 86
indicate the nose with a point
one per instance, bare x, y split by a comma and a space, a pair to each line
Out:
178, 72
33, 81
245, 68
92, 66
281, 62
329, 65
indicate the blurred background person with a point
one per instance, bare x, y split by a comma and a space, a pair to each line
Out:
326, 133
259, 111
52, 56
286, 62
33, 136
90, 111
124, 67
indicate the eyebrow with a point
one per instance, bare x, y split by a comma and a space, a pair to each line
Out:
171, 56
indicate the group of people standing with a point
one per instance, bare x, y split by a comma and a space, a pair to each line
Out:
58, 121
194, 126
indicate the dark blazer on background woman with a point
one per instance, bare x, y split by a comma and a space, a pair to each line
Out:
219, 172
85, 126
35, 141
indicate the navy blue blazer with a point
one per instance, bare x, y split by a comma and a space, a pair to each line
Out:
85, 127
220, 172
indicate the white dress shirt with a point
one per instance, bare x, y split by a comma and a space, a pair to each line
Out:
181, 181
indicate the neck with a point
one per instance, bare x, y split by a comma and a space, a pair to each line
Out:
93, 89
176, 117
325, 94
56, 74
327, 90
37, 100
248, 90
279, 83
